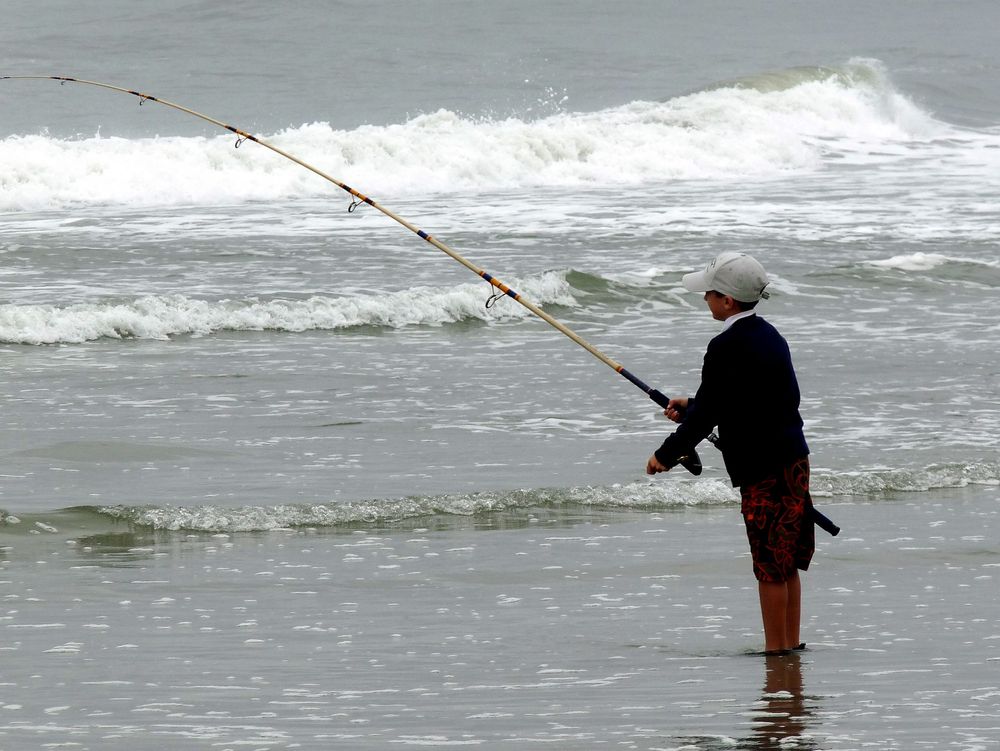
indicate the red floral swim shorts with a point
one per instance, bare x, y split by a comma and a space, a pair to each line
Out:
779, 523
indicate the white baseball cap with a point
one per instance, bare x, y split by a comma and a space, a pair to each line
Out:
735, 274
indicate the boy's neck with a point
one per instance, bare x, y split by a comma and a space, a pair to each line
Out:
730, 320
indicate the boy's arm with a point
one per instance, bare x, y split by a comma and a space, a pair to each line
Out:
677, 410
689, 434
699, 417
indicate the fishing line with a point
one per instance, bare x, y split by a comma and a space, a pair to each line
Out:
691, 462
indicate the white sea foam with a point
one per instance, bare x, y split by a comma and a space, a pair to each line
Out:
162, 316
923, 262
640, 496
757, 127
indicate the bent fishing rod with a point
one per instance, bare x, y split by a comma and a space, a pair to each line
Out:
690, 462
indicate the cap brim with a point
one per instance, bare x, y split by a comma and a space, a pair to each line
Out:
697, 281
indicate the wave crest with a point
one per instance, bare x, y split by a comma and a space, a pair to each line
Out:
163, 316
636, 496
762, 125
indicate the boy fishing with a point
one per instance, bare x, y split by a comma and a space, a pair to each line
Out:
750, 395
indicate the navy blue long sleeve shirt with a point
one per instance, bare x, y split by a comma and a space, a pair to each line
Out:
749, 393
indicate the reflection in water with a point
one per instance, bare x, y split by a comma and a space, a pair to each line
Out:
781, 717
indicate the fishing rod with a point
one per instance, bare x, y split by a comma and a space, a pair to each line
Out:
691, 462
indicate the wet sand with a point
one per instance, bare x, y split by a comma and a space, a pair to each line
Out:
555, 628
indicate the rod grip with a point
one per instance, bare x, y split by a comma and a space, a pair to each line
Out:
659, 397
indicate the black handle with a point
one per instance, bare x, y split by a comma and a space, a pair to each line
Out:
659, 397
824, 523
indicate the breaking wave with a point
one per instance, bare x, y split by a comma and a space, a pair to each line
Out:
759, 126
635, 496
164, 316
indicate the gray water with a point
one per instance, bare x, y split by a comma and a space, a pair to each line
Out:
271, 468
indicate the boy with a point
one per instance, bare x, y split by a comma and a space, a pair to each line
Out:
750, 394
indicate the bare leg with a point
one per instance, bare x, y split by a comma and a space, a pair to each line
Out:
773, 610
793, 612
780, 609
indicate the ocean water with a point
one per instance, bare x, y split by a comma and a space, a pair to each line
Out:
225, 393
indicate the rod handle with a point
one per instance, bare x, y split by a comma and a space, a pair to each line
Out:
659, 397
824, 522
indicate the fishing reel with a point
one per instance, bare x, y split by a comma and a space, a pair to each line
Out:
691, 462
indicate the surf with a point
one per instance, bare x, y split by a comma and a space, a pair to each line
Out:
760, 126
514, 506
165, 316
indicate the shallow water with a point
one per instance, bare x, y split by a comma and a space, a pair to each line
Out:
574, 629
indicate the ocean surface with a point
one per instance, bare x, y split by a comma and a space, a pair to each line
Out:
280, 474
